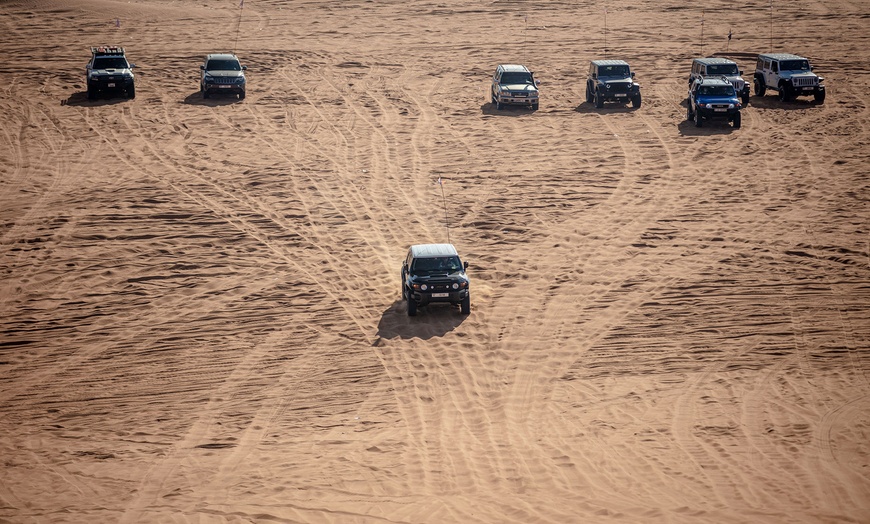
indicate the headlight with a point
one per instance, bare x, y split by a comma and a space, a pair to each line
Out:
455, 285
240, 80
730, 106
424, 287
708, 106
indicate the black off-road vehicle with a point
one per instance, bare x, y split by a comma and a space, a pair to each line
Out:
434, 273
109, 72
611, 81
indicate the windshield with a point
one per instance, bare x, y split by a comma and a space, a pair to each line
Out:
722, 69
110, 62
223, 65
615, 70
794, 65
426, 266
717, 90
516, 77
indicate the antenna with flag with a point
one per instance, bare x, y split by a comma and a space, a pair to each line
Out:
702, 33
239, 26
444, 201
771, 25
605, 33
728, 45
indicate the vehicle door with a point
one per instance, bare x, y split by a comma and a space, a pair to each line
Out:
771, 73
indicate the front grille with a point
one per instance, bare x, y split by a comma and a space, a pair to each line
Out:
440, 287
519, 94
618, 87
803, 81
223, 80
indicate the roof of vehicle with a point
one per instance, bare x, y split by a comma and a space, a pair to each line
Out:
714, 60
112, 50
221, 56
713, 80
433, 250
513, 67
781, 56
609, 62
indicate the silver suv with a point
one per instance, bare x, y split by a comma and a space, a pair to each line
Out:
514, 85
222, 73
716, 66
789, 75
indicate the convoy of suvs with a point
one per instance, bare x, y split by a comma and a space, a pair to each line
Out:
433, 273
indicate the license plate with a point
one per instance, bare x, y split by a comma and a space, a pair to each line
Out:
720, 110
111, 84
620, 94
225, 87
440, 295
807, 88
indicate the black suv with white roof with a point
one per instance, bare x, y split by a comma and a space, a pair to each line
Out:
222, 73
434, 273
109, 72
611, 81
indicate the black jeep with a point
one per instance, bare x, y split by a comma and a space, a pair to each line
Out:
434, 273
611, 81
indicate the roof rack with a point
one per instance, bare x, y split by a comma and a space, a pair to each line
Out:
108, 50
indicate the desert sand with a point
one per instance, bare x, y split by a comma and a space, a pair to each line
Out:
200, 305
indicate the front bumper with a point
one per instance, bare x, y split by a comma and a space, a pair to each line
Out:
454, 297
102, 83
715, 114
234, 89
806, 90
508, 99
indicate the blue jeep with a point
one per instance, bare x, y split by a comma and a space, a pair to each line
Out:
713, 98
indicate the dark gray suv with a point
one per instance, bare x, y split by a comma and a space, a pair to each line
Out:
611, 81
434, 273
222, 73
109, 72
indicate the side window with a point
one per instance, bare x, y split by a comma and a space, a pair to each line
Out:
774, 66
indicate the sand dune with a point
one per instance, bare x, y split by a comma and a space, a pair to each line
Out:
201, 317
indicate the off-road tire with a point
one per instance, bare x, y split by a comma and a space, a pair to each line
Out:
499, 105
465, 305
205, 93
745, 98
689, 115
599, 102
131, 91
699, 120
412, 307
784, 93
92, 94
760, 88
736, 122
589, 97
534, 107
242, 95
636, 101
819, 97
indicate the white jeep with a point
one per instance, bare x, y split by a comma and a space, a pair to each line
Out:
789, 75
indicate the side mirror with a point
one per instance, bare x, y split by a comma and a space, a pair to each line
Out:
740, 72
812, 68
594, 76
537, 82
465, 265
244, 68
202, 67
632, 74
132, 66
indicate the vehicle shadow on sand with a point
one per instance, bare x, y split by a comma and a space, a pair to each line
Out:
80, 98
773, 102
434, 320
489, 108
588, 107
196, 99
